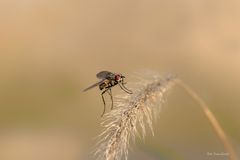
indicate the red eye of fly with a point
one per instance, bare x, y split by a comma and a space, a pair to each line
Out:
117, 77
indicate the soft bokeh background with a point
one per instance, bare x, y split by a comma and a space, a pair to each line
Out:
51, 50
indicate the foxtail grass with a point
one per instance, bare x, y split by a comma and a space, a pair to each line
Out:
133, 115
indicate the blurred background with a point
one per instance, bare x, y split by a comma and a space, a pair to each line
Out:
51, 50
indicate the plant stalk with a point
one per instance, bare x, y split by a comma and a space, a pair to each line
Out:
212, 120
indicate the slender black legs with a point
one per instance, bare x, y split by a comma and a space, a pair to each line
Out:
124, 88
109, 91
104, 104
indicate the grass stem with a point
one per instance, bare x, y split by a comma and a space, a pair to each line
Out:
211, 118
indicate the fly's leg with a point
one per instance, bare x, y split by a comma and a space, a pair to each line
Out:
110, 93
124, 88
104, 107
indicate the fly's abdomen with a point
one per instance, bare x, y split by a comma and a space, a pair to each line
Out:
107, 84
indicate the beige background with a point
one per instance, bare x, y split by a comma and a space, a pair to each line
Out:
51, 50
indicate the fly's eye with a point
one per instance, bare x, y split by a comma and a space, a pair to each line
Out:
117, 77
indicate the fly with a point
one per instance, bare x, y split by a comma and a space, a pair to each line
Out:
108, 80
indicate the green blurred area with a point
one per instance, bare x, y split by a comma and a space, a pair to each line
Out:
51, 50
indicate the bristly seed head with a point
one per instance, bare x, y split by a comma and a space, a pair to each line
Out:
132, 114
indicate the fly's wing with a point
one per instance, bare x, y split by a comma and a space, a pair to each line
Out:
94, 85
105, 75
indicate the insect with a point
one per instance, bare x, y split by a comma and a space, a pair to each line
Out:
108, 80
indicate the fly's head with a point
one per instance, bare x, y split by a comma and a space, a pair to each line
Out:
119, 78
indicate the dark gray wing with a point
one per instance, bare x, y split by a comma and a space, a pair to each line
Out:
94, 85
105, 75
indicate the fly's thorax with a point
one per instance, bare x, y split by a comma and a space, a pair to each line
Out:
114, 82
